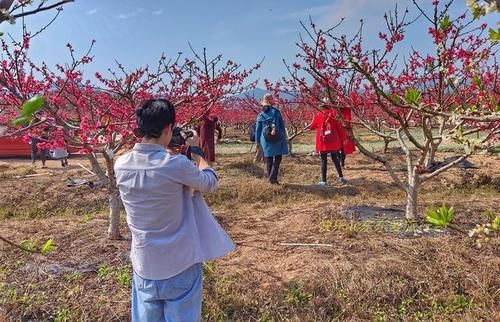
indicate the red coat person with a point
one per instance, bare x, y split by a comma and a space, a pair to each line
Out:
347, 145
327, 128
208, 125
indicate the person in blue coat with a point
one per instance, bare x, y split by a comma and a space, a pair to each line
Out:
270, 133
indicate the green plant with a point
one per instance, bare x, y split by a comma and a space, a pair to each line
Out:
87, 218
62, 315
440, 217
266, 317
379, 315
29, 245
495, 223
483, 233
73, 276
47, 248
124, 277
296, 295
208, 268
103, 272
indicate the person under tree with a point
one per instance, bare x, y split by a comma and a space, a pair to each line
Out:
208, 125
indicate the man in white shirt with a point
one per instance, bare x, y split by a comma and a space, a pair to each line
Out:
173, 230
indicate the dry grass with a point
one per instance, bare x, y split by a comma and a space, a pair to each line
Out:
376, 269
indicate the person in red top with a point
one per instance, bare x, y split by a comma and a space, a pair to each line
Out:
208, 125
348, 146
328, 140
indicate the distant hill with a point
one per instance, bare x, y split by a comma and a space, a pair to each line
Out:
258, 93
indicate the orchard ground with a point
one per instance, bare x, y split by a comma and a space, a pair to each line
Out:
372, 267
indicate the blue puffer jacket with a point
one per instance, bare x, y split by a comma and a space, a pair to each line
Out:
271, 149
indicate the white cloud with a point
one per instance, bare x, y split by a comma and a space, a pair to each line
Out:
158, 12
92, 11
130, 14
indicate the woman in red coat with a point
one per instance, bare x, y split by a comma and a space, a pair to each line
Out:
208, 125
328, 140
348, 146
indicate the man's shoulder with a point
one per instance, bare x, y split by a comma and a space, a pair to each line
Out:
123, 159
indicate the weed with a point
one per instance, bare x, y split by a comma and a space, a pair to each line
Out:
124, 277
47, 248
296, 296
379, 315
29, 245
265, 317
87, 218
73, 276
62, 315
208, 269
103, 272
440, 217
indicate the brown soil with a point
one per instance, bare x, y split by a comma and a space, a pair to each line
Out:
363, 272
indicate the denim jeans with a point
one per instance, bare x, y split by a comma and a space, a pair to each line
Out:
174, 299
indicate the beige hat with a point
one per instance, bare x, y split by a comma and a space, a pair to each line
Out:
267, 100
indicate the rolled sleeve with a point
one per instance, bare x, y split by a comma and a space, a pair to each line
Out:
201, 180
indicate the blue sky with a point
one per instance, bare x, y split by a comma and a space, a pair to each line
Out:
137, 32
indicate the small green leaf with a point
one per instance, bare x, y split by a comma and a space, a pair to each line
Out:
476, 80
412, 96
47, 247
477, 12
22, 120
32, 105
495, 224
29, 245
445, 23
494, 35
441, 217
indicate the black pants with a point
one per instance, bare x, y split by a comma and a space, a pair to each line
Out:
34, 151
342, 157
336, 158
273, 167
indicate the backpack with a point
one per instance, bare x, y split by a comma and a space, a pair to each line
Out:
251, 132
327, 131
271, 132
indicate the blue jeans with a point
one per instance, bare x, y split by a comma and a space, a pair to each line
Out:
175, 299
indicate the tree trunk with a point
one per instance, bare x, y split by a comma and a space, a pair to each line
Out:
114, 200
114, 211
290, 146
97, 169
412, 195
431, 155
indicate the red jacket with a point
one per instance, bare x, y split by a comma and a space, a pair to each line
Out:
347, 145
208, 125
327, 128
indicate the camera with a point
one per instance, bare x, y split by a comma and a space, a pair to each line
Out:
179, 137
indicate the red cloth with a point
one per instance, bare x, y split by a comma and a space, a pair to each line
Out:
326, 121
347, 145
14, 147
208, 125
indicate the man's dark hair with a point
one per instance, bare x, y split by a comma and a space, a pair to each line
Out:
153, 116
